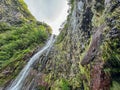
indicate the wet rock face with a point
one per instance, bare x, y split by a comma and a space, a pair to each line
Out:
12, 12
78, 61
86, 22
0, 16
94, 46
65, 59
99, 79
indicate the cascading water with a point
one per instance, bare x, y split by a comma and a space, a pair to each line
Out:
54, 16
18, 82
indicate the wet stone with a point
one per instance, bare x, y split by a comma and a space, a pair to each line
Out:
0, 16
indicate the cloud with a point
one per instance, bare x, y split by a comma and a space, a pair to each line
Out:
52, 12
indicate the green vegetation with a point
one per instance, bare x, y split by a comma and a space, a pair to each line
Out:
62, 34
24, 9
115, 86
72, 4
111, 55
61, 84
16, 42
20, 11
20, 35
99, 13
111, 49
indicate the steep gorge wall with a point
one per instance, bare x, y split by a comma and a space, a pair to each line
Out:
21, 36
86, 55
14, 11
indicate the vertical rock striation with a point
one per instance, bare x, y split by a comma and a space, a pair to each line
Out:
86, 55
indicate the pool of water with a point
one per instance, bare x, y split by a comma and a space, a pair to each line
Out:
52, 12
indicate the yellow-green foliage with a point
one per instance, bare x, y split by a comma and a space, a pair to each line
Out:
99, 13
14, 39
111, 46
62, 34
115, 86
111, 49
60, 84
8, 2
19, 37
24, 9
16, 42
98, 20
85, 72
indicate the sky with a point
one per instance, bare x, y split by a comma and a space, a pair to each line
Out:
52, 12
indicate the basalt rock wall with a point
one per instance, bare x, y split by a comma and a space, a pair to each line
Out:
86, 55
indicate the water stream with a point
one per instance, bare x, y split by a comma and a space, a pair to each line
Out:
18, 82
52, 12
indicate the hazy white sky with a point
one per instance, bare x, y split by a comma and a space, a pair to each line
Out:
52, 12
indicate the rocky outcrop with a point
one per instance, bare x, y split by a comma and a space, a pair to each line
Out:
21, 36
94, 46
84, 55
14, 12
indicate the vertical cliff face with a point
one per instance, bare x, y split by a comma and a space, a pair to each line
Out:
86, 55
21, 36
14, 11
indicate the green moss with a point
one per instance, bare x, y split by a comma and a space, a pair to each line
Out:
22, 7
60, 84
8, 2
41, 88
62, 34
15, 43
111, 49
99, 6
72, 4
85, 71
19, 38
115, 86
4, 27
99, 13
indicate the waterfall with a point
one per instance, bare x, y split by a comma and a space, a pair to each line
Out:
18, 82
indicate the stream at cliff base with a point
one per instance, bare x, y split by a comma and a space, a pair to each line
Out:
52, 12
